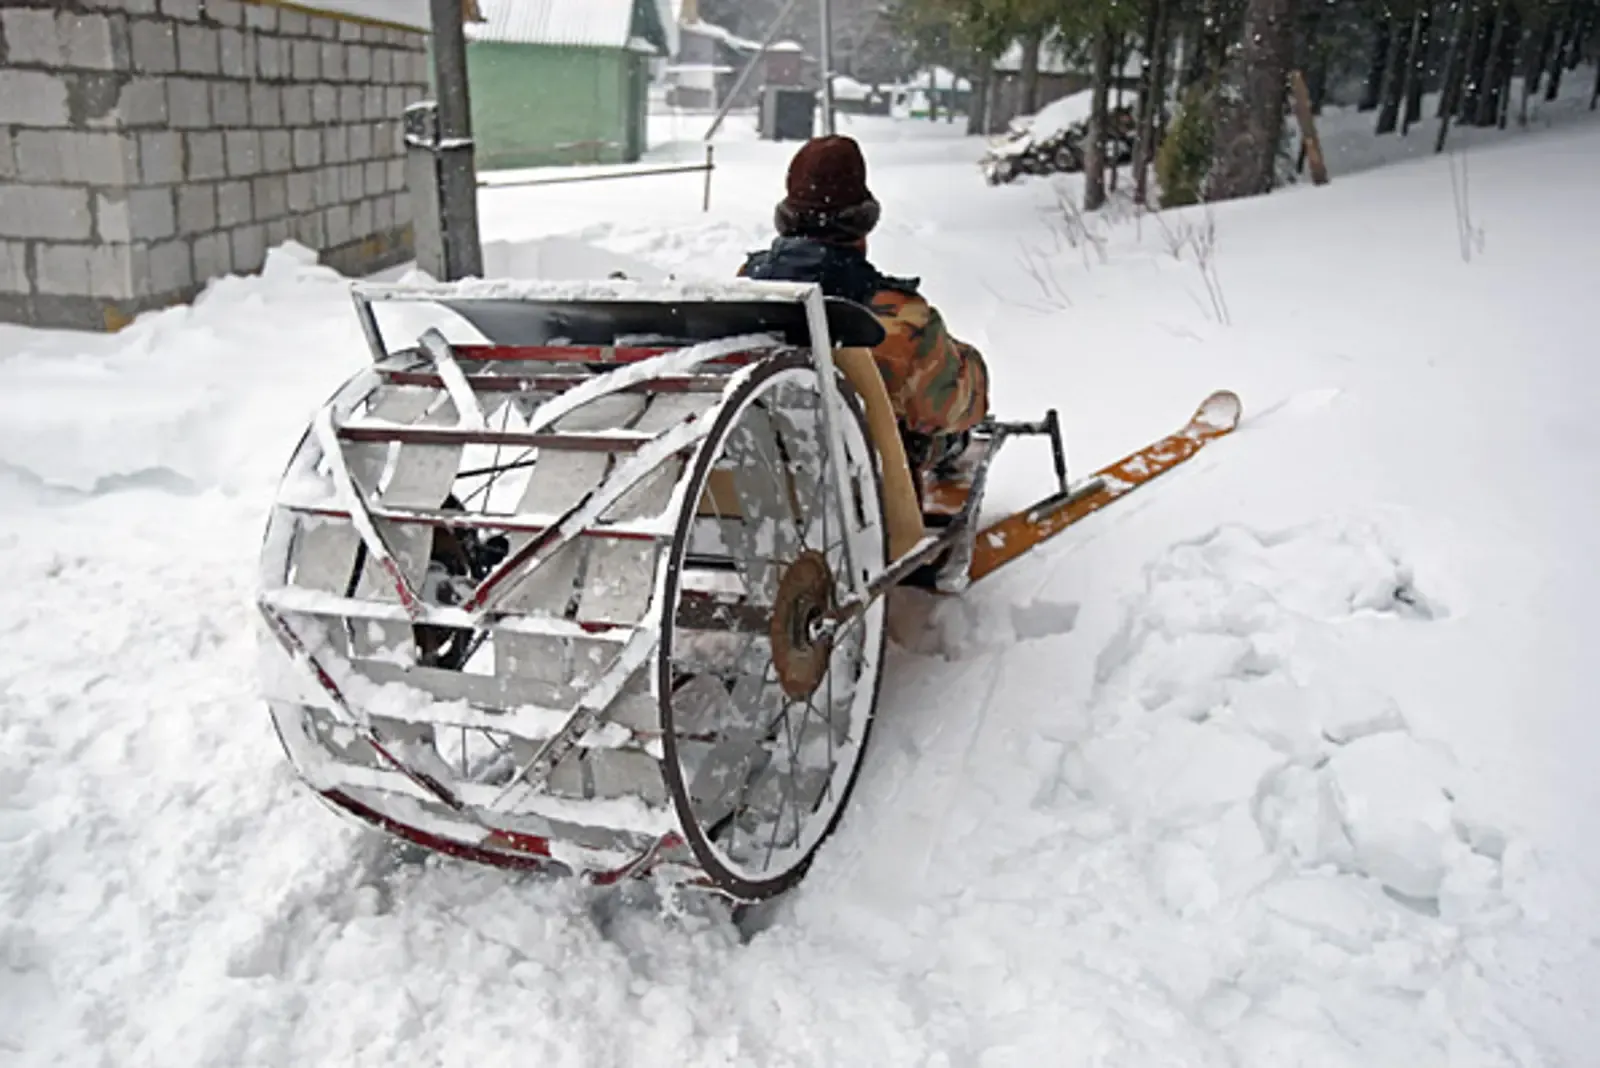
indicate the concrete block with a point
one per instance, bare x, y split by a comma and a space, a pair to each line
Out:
70, 156
328, 186
161, 157
199, 50
230, 104
14, 276
187, 10
111, 222
279, 231
271, 196
168, 267
333, 68
358, 63
213, 257
349, 31
360, 136
131, 7
352, 103
234, 203
142, 102
8, 156
236, 54
307, 60
197, 209
394, 101
277, 151
32, 98
361, 215
272, 57
62, 269
244, 153
382, 66
336, 144
376, 180
188, 103
308, 148
352, 182
266, 105
301, 190
111, 272
324, 104
261, 17
208, 159
411, 94
45, 211
225, 12
375, 103
324, 28
310, 230
154, 47
249, 248
293, 23
336, 221
152, 214
397, 174
383, 213
94, 42
32, 37
297, 105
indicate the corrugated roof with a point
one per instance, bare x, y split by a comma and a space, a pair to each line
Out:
573, 23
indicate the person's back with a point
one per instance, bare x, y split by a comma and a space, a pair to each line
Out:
938, 385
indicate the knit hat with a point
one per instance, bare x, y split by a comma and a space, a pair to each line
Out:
828, 194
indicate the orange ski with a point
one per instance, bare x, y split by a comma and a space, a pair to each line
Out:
1006, 539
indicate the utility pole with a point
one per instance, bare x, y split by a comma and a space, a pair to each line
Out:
458, 176
826, 59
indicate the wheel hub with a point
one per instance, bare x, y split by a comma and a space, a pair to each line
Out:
800, 652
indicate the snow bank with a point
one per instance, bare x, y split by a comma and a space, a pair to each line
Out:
1058, 115
214, 395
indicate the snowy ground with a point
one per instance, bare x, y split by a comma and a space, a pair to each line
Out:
1286, 760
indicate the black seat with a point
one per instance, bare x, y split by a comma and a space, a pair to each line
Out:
537, 322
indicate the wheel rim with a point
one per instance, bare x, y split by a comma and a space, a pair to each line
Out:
764, 726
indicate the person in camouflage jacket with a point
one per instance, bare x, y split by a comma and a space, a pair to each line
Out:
938, 385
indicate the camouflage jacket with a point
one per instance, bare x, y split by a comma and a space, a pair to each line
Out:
937, 384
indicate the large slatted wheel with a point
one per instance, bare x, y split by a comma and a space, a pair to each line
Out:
764, 725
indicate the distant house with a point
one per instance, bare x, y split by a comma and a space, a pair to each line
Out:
707, 62
563, 81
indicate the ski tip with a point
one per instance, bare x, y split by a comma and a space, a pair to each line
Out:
1220, 411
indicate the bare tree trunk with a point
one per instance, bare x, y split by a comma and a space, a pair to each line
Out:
1377, 66
1151, 81
1251, 124
1594, 94
1480, 62
978, 108
1094, 156
1416, 68
1392, 93
1454, 64
1497, 72
1569, 29
1030, 72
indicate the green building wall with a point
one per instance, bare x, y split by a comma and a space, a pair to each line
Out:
538, 105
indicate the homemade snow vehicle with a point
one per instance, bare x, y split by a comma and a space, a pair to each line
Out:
598, 583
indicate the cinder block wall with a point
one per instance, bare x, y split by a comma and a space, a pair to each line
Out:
147, 146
